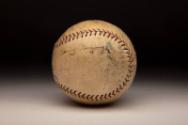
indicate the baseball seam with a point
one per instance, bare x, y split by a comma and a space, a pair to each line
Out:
100, 32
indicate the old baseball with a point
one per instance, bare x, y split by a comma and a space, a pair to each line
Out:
94, 62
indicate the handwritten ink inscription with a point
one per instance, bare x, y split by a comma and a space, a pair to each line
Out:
92, 50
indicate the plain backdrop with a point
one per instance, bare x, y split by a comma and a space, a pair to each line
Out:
157, 28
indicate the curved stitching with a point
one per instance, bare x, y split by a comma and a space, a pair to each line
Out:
112, 36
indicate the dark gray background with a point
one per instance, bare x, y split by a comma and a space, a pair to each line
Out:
158, 29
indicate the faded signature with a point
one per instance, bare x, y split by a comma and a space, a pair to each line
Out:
92, 50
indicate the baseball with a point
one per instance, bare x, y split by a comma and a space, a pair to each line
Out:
94, 62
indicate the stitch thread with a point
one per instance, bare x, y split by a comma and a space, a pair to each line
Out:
101, 32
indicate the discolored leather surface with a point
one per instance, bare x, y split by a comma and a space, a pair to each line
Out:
94, 62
